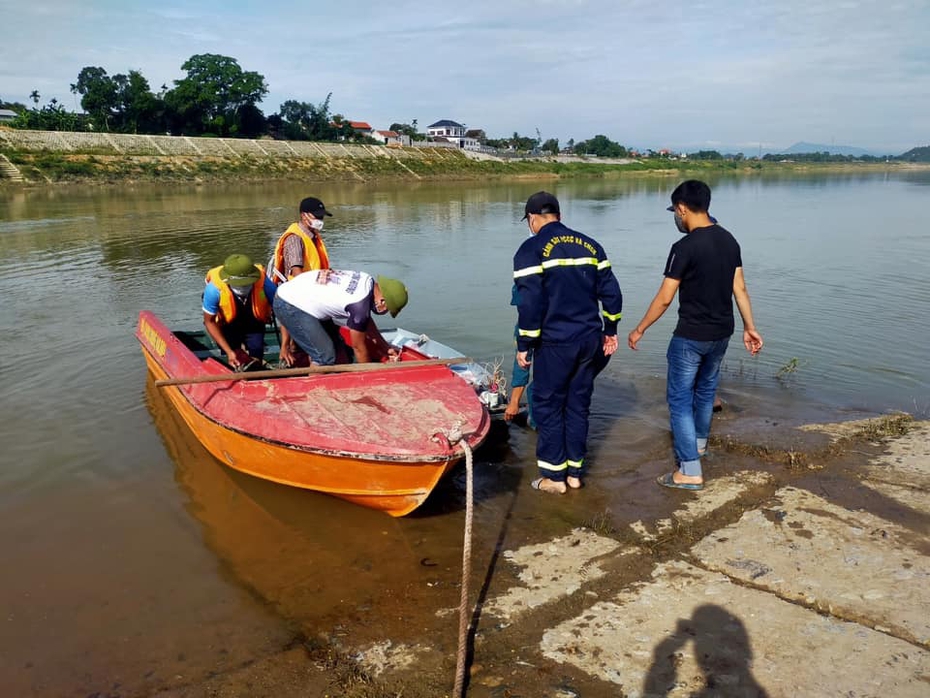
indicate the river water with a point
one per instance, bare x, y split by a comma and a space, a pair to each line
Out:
134, 562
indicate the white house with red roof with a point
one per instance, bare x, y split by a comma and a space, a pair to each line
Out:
363, 128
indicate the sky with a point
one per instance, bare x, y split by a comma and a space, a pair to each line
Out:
732, 75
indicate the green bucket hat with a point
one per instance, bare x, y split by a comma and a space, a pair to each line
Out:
394, 292
238, 270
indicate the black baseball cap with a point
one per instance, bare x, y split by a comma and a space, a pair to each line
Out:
540, 202
314, 207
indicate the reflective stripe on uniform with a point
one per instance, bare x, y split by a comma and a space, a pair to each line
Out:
604, 265
570, 262
530, 333
552, 467
612, 316
527, 271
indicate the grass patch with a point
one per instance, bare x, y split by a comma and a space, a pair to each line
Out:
885, 427
602, 524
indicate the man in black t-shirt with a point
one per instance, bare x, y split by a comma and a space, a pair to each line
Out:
706, 270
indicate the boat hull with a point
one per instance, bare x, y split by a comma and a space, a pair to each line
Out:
395, 481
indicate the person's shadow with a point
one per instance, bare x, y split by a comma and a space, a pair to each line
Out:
721, 649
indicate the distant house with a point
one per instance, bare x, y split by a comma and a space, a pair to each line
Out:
391, 137
362, 128
7, 115
446, 128
454, 133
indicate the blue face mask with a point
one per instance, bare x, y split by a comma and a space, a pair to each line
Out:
680, 224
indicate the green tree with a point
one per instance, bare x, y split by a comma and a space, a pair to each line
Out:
601, 146
34, 96
303, 121
705, 155
522, 143
406, 129
209, 98
551, 146
52, 117
98, 95
119, 103
139, 109
250, 122
13, 106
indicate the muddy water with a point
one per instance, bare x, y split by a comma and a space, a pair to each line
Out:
133, 561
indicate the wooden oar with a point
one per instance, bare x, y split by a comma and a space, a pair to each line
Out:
309, 370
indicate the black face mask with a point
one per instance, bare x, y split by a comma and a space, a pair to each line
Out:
680, 224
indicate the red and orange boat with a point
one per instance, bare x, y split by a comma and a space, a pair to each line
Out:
376, 438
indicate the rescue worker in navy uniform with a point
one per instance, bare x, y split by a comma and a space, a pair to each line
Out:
568, 309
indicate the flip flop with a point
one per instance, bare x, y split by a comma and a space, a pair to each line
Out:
537, 484
571, 482
668, 480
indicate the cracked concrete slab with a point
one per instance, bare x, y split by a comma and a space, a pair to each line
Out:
851, 564
692, 632
717, 493
551, 570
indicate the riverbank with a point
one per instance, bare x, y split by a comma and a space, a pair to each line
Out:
29, 159
800, 570
41, 169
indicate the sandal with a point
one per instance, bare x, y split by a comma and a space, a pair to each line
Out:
668, 480
544, 484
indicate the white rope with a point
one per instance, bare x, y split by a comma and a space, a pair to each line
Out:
453, 436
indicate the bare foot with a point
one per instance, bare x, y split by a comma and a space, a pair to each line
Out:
544, 484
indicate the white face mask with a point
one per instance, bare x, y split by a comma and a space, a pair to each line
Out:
316, 224
241, 291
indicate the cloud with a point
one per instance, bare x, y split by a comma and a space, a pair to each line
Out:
641, 72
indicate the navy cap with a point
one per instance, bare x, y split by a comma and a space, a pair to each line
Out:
314, 207
540, 202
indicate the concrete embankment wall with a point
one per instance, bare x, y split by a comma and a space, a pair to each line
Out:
58, 155
136, 144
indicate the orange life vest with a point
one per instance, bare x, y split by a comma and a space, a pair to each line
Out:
261, 308
315, 256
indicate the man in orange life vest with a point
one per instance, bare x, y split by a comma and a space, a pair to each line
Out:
301, 248
236, 307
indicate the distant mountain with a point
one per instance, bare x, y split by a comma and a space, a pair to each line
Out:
803, 147
920, 154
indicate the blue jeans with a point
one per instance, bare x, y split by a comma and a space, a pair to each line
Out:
693, 374
311, 335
